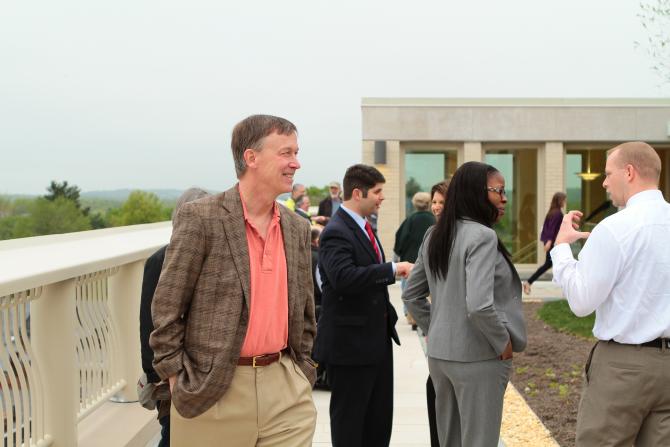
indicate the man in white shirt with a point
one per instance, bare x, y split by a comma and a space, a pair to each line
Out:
623, 274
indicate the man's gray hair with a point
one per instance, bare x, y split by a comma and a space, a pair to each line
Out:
299, 201
189, 195
421, 201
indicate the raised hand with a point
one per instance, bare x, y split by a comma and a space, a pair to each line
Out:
569, 231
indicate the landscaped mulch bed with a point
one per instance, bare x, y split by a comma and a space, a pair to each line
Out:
549, 374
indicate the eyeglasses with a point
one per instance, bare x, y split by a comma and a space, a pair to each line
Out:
500, 191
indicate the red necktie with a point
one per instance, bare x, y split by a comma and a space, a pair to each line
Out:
373, 241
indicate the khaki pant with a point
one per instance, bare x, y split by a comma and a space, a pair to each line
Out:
626, 400
265, 406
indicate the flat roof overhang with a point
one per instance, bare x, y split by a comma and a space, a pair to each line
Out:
516, 119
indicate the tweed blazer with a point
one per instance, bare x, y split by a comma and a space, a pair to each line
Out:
476, 309
201, 305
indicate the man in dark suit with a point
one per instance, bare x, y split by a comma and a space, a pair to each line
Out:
152, 271
357, 320
329, 206
302, 207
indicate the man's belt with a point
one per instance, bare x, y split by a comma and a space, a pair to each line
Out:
658, 343
261, 360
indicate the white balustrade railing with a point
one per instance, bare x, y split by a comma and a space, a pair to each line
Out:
97, 342
20, 387
69, 328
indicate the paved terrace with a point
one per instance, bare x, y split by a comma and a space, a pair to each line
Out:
75, 367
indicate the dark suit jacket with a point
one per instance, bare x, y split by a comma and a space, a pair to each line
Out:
201, 305
357, 317
326, 208
152, 271
301, 213
410, 234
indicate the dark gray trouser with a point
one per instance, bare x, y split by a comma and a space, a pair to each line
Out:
469, 400
626, 399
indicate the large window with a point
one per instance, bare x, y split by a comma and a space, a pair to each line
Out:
664, 185
518, 227
584, 175
423, 170
586, 192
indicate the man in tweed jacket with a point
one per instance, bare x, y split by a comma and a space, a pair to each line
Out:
233, 310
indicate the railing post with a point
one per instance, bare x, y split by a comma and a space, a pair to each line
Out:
125, 288
52, 334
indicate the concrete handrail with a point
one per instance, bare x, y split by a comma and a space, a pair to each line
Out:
30, 262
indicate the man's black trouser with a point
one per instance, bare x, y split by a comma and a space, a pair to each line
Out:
361, 403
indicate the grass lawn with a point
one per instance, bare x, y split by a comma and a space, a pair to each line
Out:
557, 314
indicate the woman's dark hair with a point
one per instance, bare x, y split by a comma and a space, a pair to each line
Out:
467, 198
556, 203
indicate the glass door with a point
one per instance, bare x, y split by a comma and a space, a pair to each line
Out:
423, 170
518, 228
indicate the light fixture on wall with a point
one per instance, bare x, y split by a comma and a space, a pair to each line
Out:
380, 153
588, 176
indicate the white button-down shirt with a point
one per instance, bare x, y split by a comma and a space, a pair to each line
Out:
623, 272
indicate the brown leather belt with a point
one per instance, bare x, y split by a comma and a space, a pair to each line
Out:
261, 360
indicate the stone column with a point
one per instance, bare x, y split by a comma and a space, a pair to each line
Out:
368, 153
554, 172
551, 178
390, 213
471, 151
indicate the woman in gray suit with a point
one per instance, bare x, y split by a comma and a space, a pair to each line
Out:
475, 321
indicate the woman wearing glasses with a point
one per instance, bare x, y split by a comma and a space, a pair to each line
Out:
475, 320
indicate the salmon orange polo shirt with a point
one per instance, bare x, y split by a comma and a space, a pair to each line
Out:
267, 332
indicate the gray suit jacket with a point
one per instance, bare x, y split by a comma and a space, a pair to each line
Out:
476, 310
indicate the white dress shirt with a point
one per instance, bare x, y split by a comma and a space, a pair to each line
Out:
623, 272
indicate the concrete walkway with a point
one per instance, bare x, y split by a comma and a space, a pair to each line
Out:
544, 291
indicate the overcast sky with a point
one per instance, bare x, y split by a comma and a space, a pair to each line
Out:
144, 94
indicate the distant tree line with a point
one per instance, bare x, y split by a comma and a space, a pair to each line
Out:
61, 211
317, 194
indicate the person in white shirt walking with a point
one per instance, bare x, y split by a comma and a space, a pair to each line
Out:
623, 273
